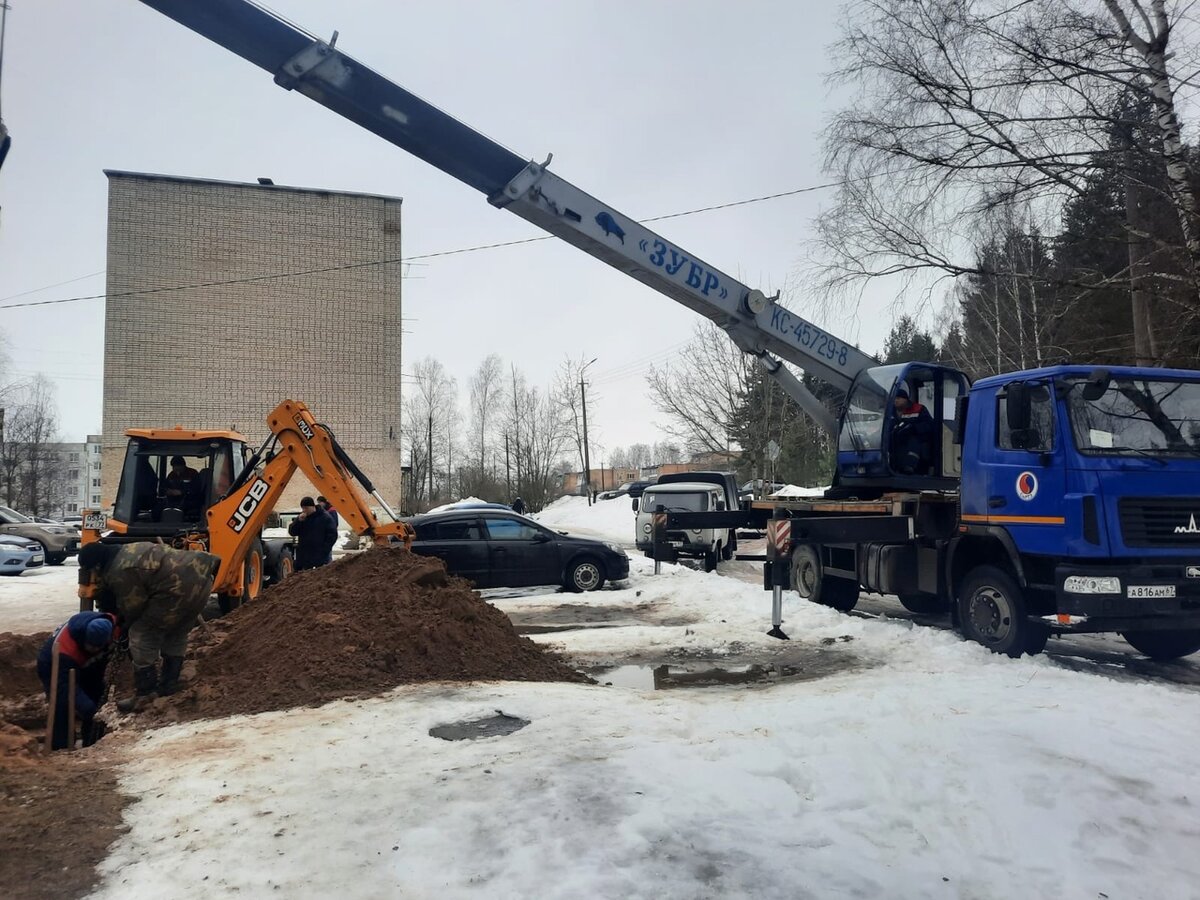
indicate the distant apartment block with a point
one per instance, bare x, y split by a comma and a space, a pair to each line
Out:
226, 298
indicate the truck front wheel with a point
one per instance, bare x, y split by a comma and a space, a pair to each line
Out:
1164, 644
811, 582
991, 611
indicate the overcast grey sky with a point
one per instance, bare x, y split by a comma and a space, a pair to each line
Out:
654, 107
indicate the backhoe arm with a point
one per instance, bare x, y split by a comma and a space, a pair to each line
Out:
304, 444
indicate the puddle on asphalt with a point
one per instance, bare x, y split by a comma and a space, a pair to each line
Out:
667, 676
474, 729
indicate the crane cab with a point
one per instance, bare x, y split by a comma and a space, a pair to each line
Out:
881, 447
171, 477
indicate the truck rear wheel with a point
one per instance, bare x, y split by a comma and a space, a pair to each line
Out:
1164, 644
991, 611
812, 584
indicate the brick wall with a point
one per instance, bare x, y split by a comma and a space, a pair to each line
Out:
224, 355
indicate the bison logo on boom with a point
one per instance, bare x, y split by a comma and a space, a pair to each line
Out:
610, 226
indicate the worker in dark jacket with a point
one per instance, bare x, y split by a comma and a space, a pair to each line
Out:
332, 513
913, 436
315, 535
518, 506
157, 594
84, 645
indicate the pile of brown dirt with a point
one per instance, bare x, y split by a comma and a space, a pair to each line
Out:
18, 664
361, 625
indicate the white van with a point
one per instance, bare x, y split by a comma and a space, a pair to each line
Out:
709, 544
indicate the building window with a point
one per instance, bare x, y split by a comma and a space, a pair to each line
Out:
95, 499
95, 482
72, 474
95, 467
74, 457
72, 507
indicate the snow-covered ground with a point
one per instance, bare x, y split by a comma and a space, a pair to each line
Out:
39, 599
792, 490
897, 761
923, 766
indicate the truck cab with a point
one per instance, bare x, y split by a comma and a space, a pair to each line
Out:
1086, 483
881, 447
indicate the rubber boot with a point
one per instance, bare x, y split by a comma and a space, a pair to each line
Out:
145, 681
171, 667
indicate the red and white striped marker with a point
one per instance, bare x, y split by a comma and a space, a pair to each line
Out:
779, 535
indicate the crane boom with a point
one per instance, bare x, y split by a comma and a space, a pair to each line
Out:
299, 61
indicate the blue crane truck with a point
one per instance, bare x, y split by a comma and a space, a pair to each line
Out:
1046, 501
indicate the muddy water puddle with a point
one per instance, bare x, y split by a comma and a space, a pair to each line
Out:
575, 617
498, 725
806, 666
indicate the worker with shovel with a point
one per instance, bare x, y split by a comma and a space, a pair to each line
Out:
157, 594
83, 646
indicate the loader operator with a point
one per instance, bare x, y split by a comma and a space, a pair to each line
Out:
179, 481
84, 643
157, 594
912, 436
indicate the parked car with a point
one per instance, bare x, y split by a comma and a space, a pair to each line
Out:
708, 544
628, 489
760, 488
75, 522
498, 548
58, 541
18, 554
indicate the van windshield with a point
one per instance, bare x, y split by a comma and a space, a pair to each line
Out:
675, 502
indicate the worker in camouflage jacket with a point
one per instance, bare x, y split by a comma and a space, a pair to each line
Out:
157, 594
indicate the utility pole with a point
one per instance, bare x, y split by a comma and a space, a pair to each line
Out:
587, 466
507, 470
429, 458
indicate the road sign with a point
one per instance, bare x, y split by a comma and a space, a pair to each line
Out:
772, 451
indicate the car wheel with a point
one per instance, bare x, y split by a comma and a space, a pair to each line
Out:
584, 575
991, 611
811, 583
727, 551
1164, 644
711, 557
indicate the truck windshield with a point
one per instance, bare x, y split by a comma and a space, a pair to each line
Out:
1137, 416
862, 427
673, 502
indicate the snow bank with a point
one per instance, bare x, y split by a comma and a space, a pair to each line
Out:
792, 490
611, 520
456, 504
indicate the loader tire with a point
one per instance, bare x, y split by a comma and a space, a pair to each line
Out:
252, 580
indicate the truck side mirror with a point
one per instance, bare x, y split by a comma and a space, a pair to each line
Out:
635, 504
1097, 385
1019, 406
720, 506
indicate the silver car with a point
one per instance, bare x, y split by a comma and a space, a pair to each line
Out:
18, 554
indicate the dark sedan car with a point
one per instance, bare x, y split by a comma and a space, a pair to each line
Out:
494, 548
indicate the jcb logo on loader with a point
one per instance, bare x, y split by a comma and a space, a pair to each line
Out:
249, 504
303, 426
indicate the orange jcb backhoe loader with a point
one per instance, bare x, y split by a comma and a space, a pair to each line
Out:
222, 504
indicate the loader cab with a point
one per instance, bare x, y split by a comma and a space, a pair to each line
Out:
882, 448
158, 499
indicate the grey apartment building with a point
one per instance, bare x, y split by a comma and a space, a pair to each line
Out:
225, 298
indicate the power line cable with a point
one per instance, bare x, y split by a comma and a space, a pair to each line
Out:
404, 259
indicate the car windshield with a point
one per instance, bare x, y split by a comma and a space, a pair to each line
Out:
12, 517
675, 502
1137, 416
